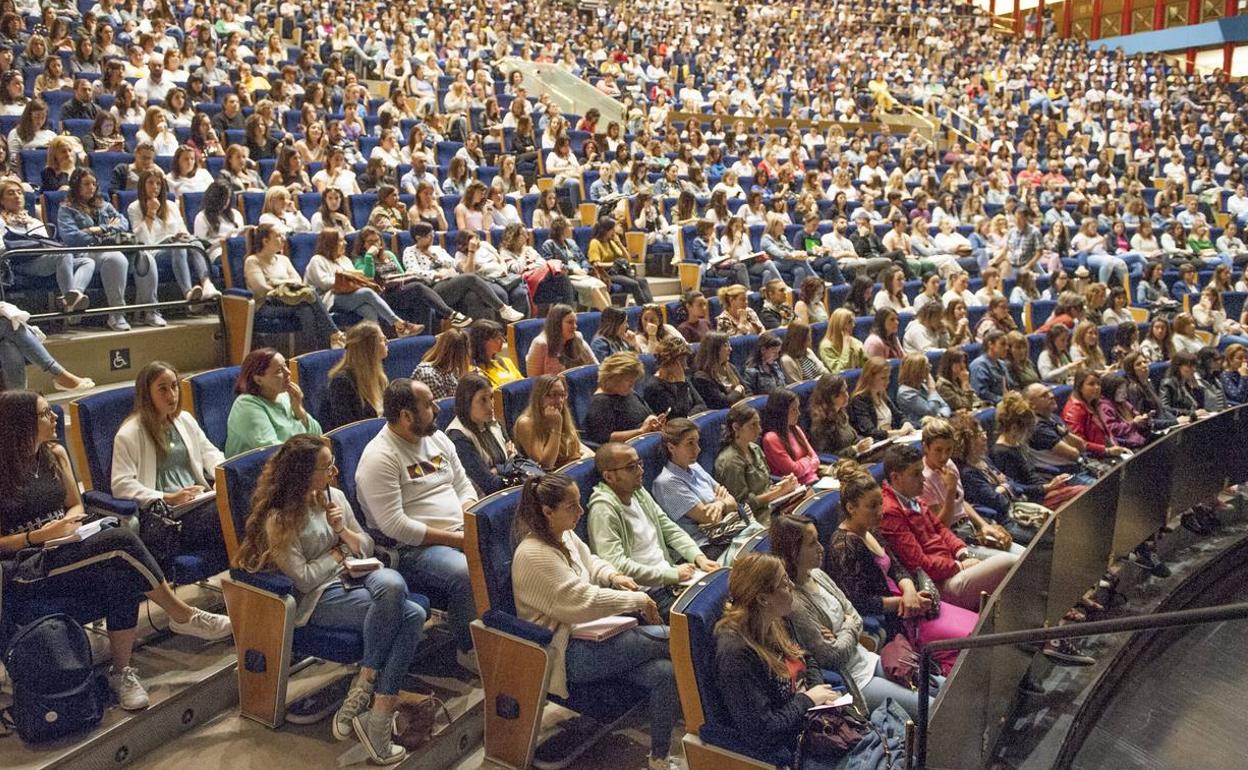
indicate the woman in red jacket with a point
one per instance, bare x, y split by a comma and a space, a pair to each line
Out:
784, 442
1082, 416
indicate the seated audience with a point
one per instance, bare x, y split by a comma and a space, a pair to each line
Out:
442, 367
742, 469
703, 508
559, 346
558, 583
269, 405
785, 445
714, 376
1016, 425
1082, 414
357, 381
871, 411
669, 391
545, 431
478, 437
838, 349
797, 359
413, 489
632, 533
616, 412
613, 335
990, 377
763, 372
485, 342
303, 525
282, 295
917, 396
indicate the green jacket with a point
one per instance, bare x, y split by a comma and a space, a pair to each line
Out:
612, 539
255, 422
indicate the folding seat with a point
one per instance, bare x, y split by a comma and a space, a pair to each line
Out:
33, 162
511, 400
94, 422
210, 396
252, 206
742, 348
103, 163
348, 444
311, 372
262, 607
405, 353
653, 456
446, 412
581, 381
520, 336
515, 656
710, 434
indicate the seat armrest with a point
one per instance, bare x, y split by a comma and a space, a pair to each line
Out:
115, 506
270, 580
237, 293
510, 624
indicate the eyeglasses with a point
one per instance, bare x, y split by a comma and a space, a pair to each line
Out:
634, 465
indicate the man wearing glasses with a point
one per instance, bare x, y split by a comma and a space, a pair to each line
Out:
629, 530
414, 490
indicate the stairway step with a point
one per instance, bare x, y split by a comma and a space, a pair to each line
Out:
109, 357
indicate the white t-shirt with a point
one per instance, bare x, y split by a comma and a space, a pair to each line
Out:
407, 487
646, 548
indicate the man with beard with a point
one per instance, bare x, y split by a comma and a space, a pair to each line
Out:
414, 490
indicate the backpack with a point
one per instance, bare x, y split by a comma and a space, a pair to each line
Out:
56, 689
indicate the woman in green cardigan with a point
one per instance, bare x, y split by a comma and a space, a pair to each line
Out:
269, 408
740, 465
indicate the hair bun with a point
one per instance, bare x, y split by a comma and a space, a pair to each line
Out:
847, 470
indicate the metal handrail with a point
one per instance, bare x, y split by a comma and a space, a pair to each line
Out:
191, 245
1178, 618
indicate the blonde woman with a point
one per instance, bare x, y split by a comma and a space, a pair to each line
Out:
358, 380
62, 160
313, 146
738, 317
445, 364
156, 131
282, 213
1086, 347
839, 350
545, 431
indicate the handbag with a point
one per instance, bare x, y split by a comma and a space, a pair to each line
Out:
829, 735
160, 531
622, 267
517, 470
924, 583
1028, 514
414, 721
900, 662
349, 283
292, 294
723, 532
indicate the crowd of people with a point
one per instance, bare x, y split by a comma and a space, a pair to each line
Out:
759, 142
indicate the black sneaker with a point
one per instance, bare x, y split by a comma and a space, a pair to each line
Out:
1063, 652
1146, 559
1193, 522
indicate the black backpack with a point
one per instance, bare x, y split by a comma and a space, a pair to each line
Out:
56, 689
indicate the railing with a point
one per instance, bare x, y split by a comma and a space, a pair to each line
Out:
1157, 621
1068, 555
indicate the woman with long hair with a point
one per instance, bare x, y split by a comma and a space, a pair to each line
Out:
1128, 427
767, 683
839, 350
1082, 413
559, 583
267, 272
741, 467
86, 219
559, 346
218, 220
479, 440
884, 341
784, 442
1180, 391
917, 396
613, 334
871, 410
823, 619
797, 359
357, 381
448, 361
810, 307
1055, 363
860, 562
330, 268
486, 342
987, 489
155, 222
187, 176
161, 453
303, 525
545, 431
608, 251
112, 569
716, 379
1143, 396
1086, 349
30, 133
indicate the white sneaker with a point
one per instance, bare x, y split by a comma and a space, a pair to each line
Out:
356, 703
118, 323
459, 320
130, 693
664, 763
153, 319
203, 625
210, 291
509, 314
195, 294
377, 737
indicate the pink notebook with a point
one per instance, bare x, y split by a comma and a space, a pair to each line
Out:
604, 628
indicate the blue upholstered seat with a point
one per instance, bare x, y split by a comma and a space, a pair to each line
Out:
582, 382
211, 397
348, 444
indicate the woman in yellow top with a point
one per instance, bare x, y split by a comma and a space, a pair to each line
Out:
839, 350
485, 339
606, 247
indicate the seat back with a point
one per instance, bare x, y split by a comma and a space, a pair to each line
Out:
693, 650
742, 348
405, 353
824, 510
710, 434
515, 397
520, 336
446, 412
491, 520
209, 396
582, 381
236, 483
94, 421
652, 455
348, 444
311, 372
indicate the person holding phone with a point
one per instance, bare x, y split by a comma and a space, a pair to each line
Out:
558, 583
303, 525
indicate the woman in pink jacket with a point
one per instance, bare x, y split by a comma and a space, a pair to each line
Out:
784, 442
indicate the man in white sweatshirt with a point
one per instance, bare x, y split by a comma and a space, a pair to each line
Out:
413, 489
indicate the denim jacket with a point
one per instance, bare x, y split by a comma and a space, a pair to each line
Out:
72, 224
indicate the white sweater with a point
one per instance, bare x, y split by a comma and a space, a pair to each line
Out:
134, 457
157, 230
406, 488
556, 593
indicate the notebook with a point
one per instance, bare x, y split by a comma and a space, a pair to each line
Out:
604, 628
83, 532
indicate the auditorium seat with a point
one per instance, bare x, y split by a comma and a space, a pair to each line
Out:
348, 444
209, 396
582, 381
710, 435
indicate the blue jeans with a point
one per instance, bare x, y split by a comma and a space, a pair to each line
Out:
17, 348
1109, 267
73, 271
767, 269
189, 268
441, 573
881, 687
379, 609
801, 270
642, 660
367, 304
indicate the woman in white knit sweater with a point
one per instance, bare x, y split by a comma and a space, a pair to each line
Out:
558, 583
